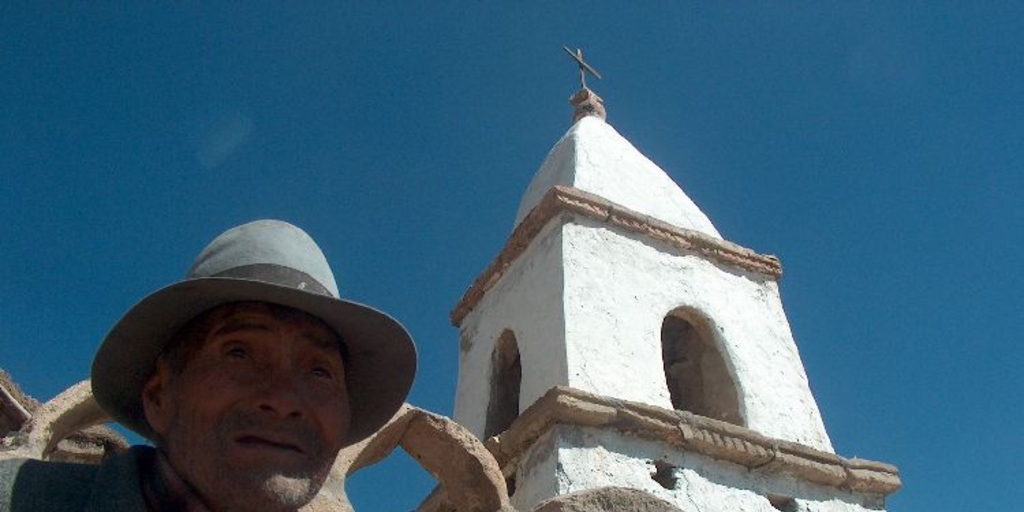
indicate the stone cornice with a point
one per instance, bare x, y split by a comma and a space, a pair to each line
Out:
693, 433
560, 199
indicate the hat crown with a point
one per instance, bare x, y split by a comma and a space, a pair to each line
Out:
274, 248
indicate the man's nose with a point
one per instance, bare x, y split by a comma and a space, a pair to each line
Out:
279, 394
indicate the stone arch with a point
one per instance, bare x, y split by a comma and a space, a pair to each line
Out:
469, 477
506, 383
696, 370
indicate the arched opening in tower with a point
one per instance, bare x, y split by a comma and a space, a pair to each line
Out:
506, 380
695, 370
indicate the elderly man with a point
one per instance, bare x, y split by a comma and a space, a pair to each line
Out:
248, 377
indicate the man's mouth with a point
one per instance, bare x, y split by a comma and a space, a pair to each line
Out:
261, 441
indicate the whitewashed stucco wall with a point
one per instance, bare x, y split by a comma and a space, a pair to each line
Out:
586, 304
618, 291
579, 458
527, 301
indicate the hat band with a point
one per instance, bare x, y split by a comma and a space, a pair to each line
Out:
276, 274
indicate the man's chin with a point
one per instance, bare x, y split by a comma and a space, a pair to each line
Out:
271, 481
290, 492
270, 492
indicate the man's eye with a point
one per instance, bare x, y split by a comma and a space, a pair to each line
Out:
237, 353
321, 372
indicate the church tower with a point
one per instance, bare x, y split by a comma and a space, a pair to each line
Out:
619, 344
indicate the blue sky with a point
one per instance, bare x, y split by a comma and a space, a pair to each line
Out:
876, 148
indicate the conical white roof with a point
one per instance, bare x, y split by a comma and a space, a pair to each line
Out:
593, 157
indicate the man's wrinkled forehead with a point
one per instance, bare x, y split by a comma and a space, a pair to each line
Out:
253, 316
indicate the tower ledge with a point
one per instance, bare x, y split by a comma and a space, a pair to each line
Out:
693, 433
561, 199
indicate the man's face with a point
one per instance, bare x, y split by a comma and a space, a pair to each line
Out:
257, 415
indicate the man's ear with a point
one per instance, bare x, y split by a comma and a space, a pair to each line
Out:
156, 399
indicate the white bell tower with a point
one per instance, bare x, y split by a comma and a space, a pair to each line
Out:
618, 341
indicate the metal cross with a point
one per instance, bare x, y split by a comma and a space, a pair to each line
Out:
584, 67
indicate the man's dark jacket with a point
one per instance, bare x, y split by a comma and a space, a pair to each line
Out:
37, 486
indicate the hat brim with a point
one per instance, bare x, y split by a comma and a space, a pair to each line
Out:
381, 354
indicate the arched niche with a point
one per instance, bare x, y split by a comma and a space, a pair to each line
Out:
696, 371
506, 381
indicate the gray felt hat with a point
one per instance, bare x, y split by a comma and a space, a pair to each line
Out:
269, 261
